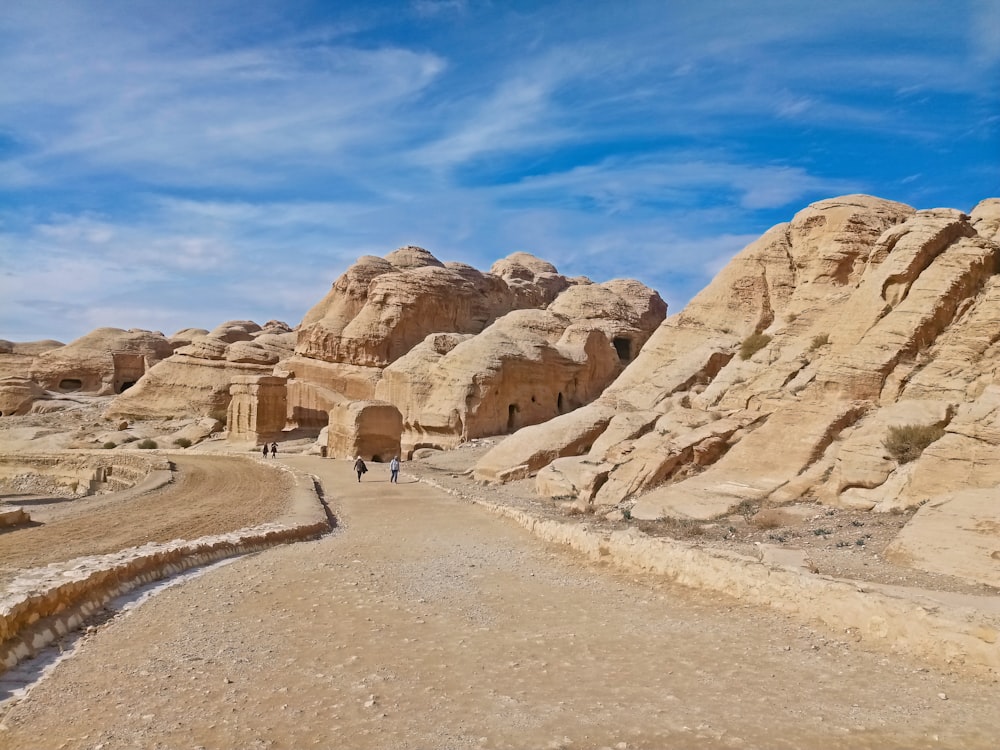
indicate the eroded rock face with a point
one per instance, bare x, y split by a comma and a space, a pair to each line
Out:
462, 353
105, 361
17, 395
525, 368
195, 379
781, 381
382, 307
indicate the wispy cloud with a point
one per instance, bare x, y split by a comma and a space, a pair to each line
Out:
180, 160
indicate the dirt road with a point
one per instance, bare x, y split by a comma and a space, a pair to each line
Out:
425, 623
209, 495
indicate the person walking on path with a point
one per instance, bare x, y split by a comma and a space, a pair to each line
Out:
274, 450
359, 466
264, 452
394, 470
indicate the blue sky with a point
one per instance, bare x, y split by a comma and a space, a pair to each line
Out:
171, 165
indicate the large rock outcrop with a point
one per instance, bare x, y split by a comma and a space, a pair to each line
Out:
462, 353
527, 367
784, 379
16, 357
195, 379
103, 362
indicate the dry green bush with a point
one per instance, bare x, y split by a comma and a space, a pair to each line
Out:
906, 442
770, 518
818, 341
182, 442
678, 528
146, 444
753, 344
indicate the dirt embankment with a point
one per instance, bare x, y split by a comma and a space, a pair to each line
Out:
209, 495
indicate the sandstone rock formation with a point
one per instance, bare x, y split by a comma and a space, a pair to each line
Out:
16, 358
17, 395
527, 367
195, 379
459, 352
103, 362
783, 379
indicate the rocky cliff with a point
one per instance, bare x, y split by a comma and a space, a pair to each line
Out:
795, 375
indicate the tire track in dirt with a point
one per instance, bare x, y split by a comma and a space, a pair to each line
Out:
209, 495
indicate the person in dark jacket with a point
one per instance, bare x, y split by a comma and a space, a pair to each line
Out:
274, 450
359, 466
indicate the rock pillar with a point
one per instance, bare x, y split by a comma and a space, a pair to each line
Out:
370, 429
257, 408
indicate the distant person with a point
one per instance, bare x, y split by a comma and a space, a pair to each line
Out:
274, 450
359, 466
394, 470
264, 452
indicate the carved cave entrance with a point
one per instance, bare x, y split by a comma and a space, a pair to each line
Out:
624, 348
512, 417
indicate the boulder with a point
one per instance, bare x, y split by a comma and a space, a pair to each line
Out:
17, 395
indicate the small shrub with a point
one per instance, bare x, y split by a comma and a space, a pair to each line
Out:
753, 344
905, 443
182, 443
818, 341
822, 532
109, 445
771, 518
747, 509
627, 514
146, 444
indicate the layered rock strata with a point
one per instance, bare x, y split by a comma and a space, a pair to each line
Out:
783, 380
195, 380
458, 352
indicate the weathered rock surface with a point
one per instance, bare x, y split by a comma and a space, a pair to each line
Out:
195, 379
18, 394
381, 307
782, 380
16, 357
527, 367
105, 361
461, 353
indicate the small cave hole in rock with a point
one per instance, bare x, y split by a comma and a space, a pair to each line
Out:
624, 348
559, 403
126, 385
70, 384
512, 417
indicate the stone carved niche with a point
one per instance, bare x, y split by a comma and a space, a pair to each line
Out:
370, 429
257, 408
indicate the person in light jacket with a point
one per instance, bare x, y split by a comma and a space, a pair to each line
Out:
394, 470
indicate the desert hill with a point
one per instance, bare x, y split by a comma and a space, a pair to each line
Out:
847, 358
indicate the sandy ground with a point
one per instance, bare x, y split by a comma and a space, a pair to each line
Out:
209, 495
424, 622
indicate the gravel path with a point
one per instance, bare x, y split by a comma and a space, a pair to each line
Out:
426, 623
